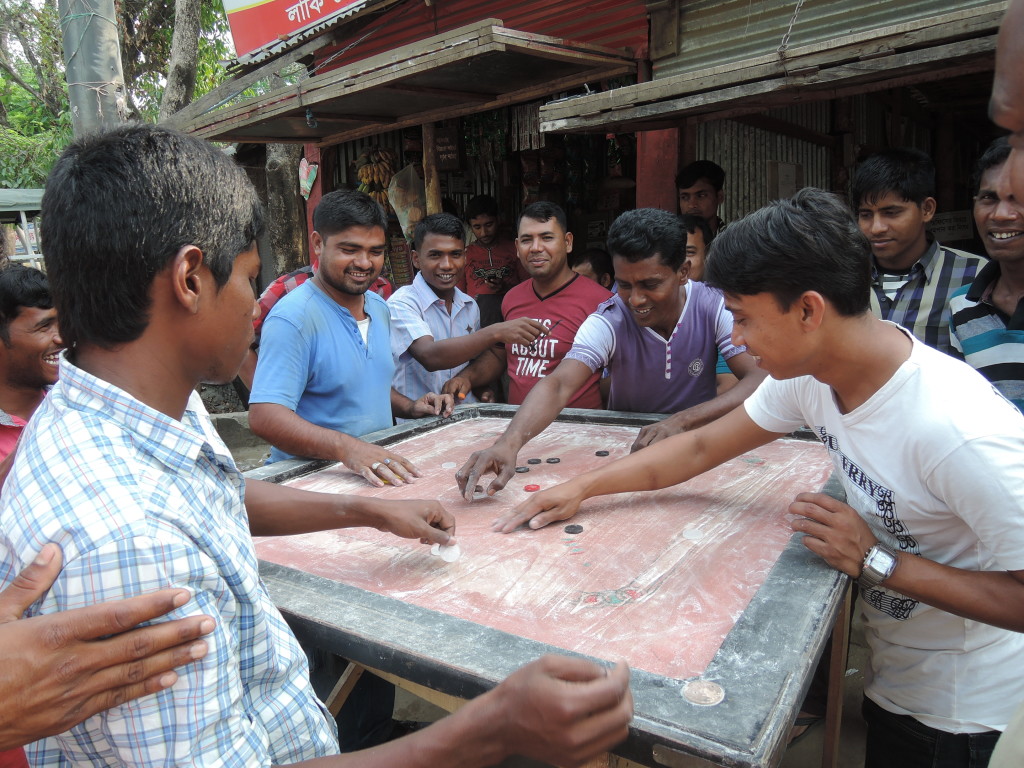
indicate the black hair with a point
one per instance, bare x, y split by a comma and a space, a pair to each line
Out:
344, 208
995, 154
21, 287
692, 223
598, 259
701, 169
119, 205
439, 224
544, 211
481, 205
907, 172
807, 243
645, 232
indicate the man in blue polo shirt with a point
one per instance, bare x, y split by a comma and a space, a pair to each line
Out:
325, 365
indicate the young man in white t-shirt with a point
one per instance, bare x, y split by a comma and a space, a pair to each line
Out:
928, 453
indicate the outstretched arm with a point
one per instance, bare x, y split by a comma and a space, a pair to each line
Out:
277, 510
65, 667
545, 401
439, 354
668, 462
750, 376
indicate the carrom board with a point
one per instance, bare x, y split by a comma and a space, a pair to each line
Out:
701, 588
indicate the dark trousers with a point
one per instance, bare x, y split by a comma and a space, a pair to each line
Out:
900, 741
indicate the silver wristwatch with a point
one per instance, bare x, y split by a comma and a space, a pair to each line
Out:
879, 563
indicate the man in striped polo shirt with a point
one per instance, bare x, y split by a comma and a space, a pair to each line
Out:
659, 338
912, 275
987, 323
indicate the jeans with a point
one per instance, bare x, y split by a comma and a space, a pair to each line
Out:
900, 741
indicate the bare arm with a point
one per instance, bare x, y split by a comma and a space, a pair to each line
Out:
834, 531
277, 510
750, 377
283, 428
62, 668
431, 404
556, 710
484, 370
436, 355
668, 462
544, 402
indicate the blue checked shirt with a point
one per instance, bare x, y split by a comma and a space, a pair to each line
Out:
416, 311
138, 502
922, 304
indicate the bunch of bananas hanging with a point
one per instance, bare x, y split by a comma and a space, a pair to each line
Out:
375, 167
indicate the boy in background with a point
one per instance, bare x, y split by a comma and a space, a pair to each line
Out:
492, 263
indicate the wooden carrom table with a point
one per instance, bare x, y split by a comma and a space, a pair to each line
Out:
719, 610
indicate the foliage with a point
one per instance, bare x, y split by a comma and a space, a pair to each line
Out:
34, 119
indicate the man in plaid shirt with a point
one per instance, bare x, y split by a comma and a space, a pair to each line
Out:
912, 275
122, 467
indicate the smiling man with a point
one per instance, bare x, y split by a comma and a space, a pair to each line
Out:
658, 338
988, 315
435, 327
933, 524
29, 347
325, 367
912, 274
554, 296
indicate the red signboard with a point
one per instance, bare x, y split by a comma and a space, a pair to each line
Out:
258, 24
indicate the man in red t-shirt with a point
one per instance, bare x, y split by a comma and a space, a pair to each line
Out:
492, 262
555, 296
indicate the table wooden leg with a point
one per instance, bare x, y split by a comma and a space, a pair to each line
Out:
836, 680
340, 693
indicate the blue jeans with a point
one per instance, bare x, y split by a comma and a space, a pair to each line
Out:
900, 741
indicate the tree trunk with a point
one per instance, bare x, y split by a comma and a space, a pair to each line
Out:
181, 71
286, 217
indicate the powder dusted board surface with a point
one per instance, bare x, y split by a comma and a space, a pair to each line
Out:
636, 584
692, 582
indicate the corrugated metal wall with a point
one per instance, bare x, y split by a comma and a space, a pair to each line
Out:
612, 23
746, 154
719, 31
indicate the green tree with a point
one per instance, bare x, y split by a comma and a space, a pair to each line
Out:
34, 121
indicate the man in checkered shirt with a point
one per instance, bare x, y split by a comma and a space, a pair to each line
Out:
151, 255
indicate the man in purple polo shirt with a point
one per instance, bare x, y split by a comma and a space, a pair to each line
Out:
659, 338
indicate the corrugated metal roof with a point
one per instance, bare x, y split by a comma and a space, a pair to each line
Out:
609, 23
716, 32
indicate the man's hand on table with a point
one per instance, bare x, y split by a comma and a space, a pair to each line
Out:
377, 464
833, 531
659, 430
420, 519
433, 404
499, 459
458, 387
563, 711
57, 671
559, 502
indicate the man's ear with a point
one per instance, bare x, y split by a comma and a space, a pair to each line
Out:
317, 242
186, 278
928, 208
416, 260
568, 242
811, 306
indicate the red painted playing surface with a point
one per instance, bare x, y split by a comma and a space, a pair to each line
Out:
656, 578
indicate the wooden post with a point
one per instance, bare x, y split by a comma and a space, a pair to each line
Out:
836, 678
431, 181
656, 164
